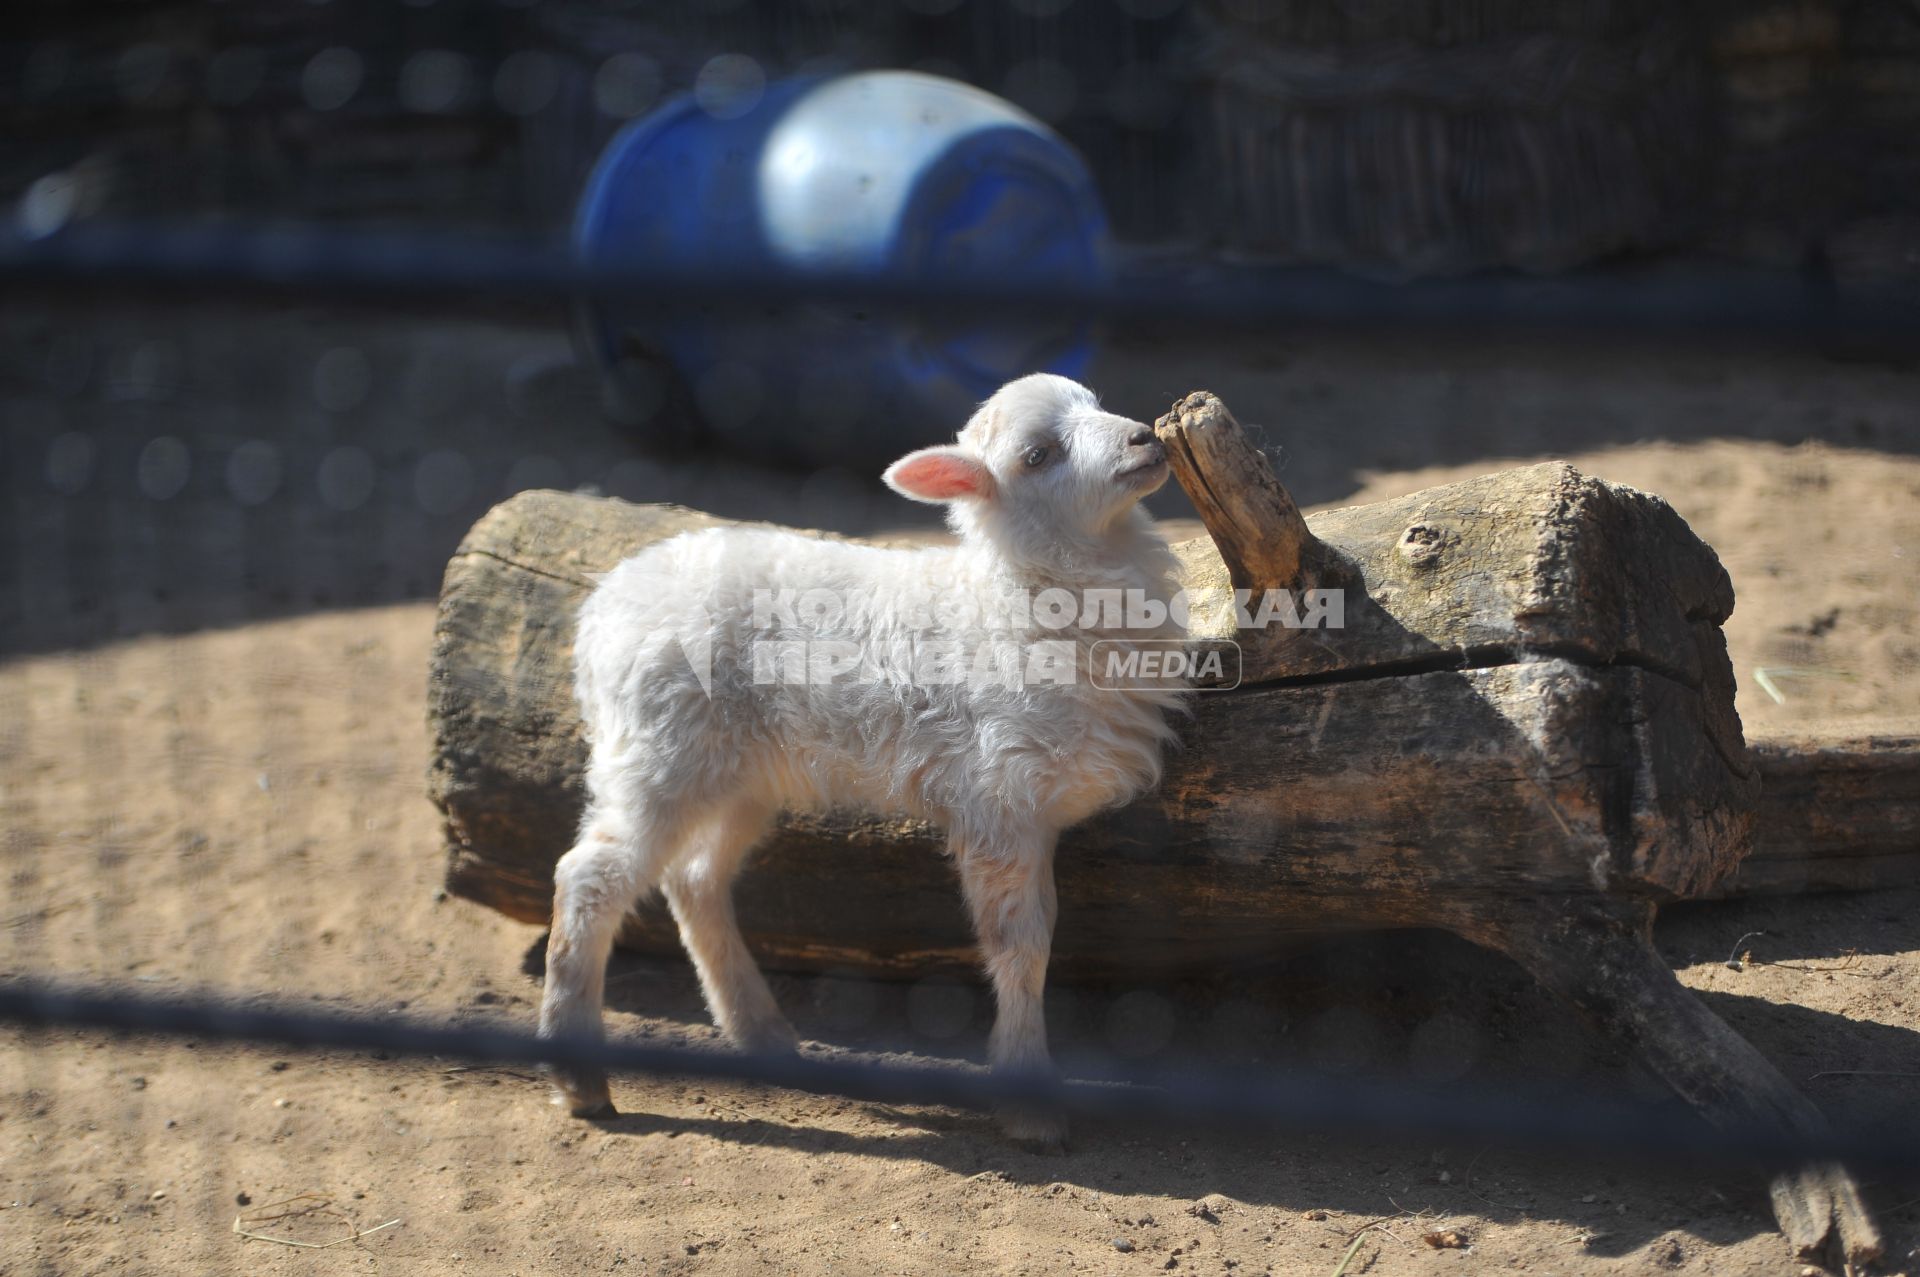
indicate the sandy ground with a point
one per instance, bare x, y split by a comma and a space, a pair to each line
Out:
238, 807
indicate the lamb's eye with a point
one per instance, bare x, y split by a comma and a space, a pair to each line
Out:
1037, 456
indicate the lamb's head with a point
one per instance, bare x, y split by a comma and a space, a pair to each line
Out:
1040, 471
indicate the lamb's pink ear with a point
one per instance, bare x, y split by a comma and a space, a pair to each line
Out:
940, 474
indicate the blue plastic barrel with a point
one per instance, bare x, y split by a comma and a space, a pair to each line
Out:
887, 173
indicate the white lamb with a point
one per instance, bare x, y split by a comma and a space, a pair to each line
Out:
1042, 488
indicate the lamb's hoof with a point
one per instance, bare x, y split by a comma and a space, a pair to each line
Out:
773, 1040
583, 1095
1035, 1130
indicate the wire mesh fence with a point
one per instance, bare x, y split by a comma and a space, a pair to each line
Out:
295, 293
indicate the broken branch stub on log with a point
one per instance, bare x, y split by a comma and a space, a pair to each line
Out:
1257, 529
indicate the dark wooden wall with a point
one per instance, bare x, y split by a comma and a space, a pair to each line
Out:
1417, 139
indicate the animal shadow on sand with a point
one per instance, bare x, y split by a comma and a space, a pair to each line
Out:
1419, 1009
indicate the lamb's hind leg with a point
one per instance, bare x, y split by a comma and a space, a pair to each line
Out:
1009, 889
699, 890
621, 854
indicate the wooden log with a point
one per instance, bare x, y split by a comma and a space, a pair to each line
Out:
1483, 728
1834, 814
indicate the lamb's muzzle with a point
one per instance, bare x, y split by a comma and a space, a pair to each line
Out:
689, 766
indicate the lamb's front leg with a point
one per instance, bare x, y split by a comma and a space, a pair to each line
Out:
1009, 888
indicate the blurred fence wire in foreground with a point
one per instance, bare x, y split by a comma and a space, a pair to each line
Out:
428, 272
1241, 1101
